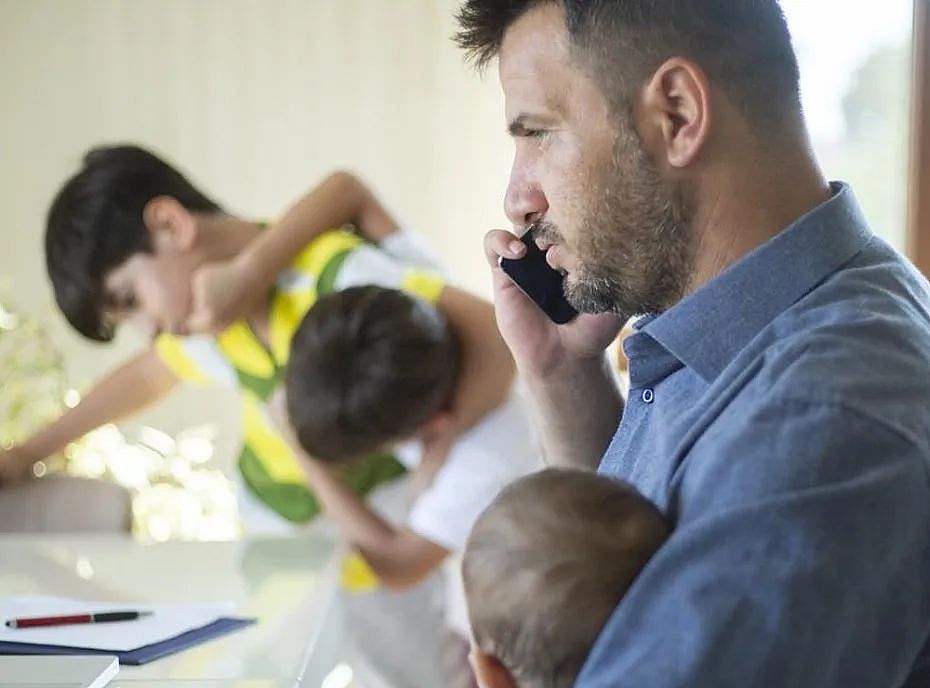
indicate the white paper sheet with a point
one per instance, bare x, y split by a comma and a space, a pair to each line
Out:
167, 621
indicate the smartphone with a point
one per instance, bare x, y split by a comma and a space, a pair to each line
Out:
539, 281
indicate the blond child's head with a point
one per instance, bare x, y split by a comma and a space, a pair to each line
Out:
545, 566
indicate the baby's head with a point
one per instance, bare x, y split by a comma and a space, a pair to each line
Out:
545, 566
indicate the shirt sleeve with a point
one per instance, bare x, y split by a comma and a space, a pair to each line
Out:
445, 512
501, 448
173, 353
368, 264
411, 248
800, 557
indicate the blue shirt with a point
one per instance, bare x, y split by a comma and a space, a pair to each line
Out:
780, 416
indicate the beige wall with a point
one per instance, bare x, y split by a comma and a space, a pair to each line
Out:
256, 99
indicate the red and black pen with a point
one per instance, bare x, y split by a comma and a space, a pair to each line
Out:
90, 617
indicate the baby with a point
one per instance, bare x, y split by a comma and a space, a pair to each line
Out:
545, 566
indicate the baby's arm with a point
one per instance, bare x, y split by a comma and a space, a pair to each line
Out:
128, 389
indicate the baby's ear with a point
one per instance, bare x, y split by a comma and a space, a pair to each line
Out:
490, 671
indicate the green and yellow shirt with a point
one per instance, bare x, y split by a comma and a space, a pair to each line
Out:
236, 358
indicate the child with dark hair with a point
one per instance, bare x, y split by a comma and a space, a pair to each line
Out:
369, 366
374, 369
130, 239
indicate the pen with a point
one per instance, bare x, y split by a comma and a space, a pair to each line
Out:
90, 617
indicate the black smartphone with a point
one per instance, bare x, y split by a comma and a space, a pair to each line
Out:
539, 281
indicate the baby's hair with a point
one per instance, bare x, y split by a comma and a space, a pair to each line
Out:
548, 562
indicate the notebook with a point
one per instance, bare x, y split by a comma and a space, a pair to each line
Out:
138, 655
171, 628
61, 672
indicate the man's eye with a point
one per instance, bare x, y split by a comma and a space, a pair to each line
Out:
128, 302
535, 133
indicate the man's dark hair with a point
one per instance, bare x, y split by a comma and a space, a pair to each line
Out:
96, 223
368, 366
744, 46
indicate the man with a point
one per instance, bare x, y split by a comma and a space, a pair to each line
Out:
779, 411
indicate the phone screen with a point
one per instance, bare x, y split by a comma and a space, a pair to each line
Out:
539, 281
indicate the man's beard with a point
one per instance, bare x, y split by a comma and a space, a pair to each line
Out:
635, 246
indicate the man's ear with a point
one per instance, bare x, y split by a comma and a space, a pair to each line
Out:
490, 671
170, 223
676, 113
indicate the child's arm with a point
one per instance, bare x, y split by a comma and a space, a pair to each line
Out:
136, 384
225, 292
399, 557
487, 371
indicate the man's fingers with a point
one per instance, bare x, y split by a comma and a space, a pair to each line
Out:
502, 244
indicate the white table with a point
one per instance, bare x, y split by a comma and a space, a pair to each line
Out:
288, 583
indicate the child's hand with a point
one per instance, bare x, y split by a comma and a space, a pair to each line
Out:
436, 448
15, 465
221, 294
277, 412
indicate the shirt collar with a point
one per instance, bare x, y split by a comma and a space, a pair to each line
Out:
706, 330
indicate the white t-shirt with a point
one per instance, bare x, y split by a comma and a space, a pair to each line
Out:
502, 447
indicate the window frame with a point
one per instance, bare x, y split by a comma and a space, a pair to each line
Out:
918, 226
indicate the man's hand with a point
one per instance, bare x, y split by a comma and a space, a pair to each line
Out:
575, 400
221, 294
540, 347
16, 465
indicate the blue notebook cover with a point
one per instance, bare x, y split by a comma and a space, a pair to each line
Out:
140, 655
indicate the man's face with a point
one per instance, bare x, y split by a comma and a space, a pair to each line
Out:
152, 291
581, 179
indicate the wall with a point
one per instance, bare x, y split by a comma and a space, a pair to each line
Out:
256, 99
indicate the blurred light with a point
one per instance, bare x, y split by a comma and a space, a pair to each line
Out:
196, 449
159, 529
83, 568
8, 321
340, 677
177, 492
72, 398
179, 469
160, 441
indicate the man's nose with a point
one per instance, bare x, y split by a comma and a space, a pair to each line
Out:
524, 203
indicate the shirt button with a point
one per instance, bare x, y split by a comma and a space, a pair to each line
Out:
648, 396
